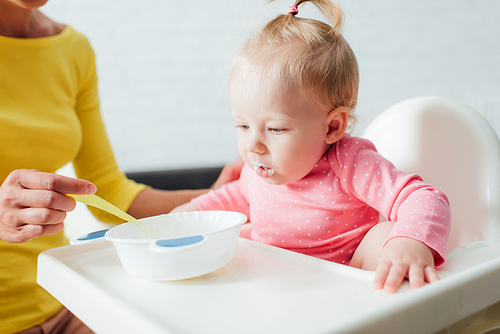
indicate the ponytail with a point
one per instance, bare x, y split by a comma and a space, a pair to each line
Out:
330, 9
307, 54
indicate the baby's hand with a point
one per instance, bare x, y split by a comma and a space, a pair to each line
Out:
189, 206
404, 257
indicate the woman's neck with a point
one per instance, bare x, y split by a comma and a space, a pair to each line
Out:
26, 23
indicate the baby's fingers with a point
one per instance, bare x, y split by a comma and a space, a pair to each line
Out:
389, 276
431, 274
381, 274
416, 276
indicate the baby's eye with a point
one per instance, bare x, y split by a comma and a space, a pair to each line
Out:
277, 131
242, 126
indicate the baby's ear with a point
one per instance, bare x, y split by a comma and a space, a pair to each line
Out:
337, 123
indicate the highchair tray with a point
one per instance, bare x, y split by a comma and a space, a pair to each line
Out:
265, 289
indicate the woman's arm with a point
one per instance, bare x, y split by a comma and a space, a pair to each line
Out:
151, 202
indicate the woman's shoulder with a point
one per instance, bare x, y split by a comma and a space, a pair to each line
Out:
75, 36
78, 47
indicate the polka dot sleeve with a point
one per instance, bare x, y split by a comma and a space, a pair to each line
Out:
419, 211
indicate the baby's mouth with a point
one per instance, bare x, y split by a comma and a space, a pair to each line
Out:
262, 170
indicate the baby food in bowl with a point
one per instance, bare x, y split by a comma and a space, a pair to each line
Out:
178, 245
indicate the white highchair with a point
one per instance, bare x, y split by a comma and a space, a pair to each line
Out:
266, 289
455, 149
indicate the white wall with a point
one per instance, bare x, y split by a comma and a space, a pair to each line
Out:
163, 65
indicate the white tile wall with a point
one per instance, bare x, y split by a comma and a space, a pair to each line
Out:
163, 65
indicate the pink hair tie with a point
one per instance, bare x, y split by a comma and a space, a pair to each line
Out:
293, 9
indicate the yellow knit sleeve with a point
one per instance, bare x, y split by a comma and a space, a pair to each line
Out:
95, 161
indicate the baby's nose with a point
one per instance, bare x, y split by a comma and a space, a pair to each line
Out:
255, 145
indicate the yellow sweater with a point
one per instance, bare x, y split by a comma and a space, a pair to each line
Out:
49, 116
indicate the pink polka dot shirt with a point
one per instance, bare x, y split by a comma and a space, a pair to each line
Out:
327, 213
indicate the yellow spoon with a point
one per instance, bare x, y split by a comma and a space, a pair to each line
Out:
101, 203
98, 202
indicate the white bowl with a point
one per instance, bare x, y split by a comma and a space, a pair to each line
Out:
178, 245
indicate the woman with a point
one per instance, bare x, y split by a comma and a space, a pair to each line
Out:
49, 116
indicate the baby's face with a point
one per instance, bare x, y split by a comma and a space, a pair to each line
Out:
281, 138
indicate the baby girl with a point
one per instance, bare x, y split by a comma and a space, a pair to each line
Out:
309, 187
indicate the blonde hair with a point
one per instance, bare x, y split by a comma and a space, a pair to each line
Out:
305, 54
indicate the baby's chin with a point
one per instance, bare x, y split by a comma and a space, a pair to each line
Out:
279, 180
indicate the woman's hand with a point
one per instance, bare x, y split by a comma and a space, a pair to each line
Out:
152, 202
404, 257
230, 172
189, 206
32, 203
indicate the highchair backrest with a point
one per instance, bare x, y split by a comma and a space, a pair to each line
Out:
452, 147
